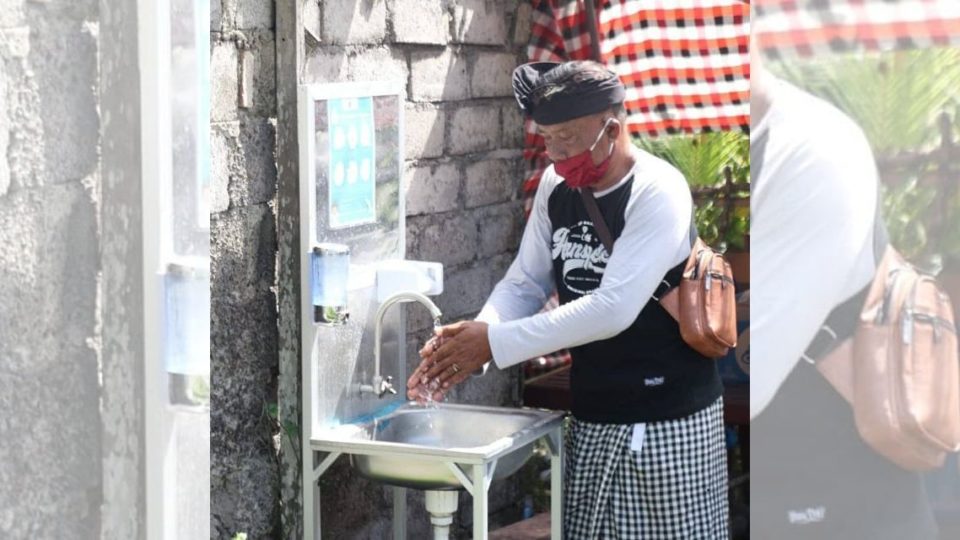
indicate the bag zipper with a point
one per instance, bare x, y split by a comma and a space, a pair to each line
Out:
887, 297
910, 316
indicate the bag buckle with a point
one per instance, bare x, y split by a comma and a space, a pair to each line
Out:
665, 291
833, 337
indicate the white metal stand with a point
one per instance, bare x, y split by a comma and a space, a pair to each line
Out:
475, 479
399, 513
555, 442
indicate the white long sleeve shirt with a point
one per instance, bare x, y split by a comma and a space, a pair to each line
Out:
655, 238
813, 201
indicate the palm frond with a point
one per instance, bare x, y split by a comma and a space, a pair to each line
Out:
701, 158
894, 97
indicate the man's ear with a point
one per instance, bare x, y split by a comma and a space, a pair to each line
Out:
613, 128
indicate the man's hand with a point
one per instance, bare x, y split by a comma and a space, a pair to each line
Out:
456, 351
418, 386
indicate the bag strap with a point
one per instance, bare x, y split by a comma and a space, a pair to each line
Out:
842, 321
672, 279
600, 224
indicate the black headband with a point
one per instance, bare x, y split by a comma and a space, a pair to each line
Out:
549, 101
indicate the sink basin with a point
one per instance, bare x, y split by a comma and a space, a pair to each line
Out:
412, 445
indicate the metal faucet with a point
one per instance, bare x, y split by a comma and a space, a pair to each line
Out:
380, 385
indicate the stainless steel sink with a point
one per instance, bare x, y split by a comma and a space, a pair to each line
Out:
423, 447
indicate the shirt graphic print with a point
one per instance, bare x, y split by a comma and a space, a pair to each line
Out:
582, 255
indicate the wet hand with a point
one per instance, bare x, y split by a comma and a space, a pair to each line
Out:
456, 351
463, 349
419, 388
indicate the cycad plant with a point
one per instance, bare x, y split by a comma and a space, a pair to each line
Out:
904, 207
951, 227
705, 160
951, 233
702, 157
897, 98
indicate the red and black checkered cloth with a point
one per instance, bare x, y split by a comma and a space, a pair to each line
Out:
686, 63
815, 27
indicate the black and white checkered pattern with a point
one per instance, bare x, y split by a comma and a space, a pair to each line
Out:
676, 488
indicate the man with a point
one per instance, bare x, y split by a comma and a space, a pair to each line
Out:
645, 453
813, 217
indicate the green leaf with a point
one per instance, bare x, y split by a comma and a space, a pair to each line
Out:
701, 158
273, 411
292, 430
895, 97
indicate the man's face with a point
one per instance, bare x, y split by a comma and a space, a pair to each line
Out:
567, 139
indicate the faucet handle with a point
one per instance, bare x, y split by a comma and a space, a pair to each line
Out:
387, 386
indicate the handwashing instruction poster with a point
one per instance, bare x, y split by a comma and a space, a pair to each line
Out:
352, 176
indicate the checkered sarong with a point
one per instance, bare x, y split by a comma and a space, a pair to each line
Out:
675, 488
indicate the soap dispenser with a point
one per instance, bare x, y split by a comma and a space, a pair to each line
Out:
330, 268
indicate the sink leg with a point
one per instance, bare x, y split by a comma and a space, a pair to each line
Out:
311, 490
480, 485
309, 529
315, 508
399, 513
556, 485
311, 499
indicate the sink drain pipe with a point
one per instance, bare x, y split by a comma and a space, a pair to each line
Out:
441, 505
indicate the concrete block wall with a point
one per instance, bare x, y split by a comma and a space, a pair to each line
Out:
463, 171
463, 148
51, 478
244, 470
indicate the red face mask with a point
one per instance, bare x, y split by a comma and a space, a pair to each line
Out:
579, 171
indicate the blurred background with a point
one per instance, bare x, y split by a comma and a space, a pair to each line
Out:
894, 69
104, 279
